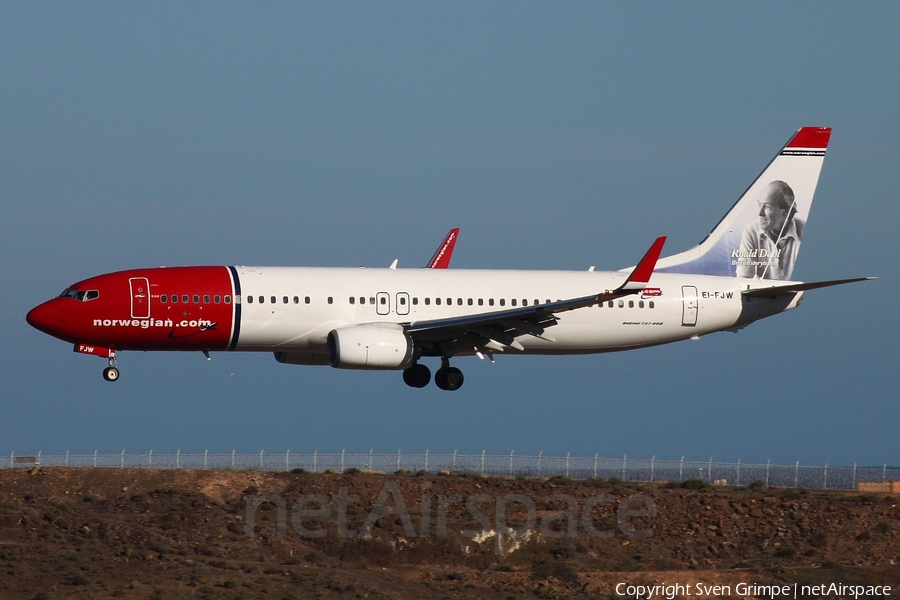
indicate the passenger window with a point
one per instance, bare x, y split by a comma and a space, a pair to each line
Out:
262, 299
415, 301
481, 302
174, 299
205, 299
371, 299
459, 301
490, 301
631, 304
513, 301
640, 304
184, 299
330, 300
273, 299
470, 302
362, 299
402, 301
217, 299
427, 301
502, 301
449, 301
306, 300
196, 299
284, 300
163, 298
296, 299
352, 300
237, 299
249, 299
383, 300
437, 301
621, 303
536, 301
651, 304
610, 304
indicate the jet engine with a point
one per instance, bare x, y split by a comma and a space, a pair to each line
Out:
370, 347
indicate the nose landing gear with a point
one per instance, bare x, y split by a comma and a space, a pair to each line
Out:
111, 373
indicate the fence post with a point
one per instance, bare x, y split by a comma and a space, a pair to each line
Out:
178, 458
39, 457
261, 460
149, 458
398, 459
709, 470
454, 460
768, 464
205, 459
315, 460
232, 458
95, 457
540, 456
652, 467
624, 462
122, 459
371, 466
737, 470
343, 450
12, 456
67, 458
825, 479
884, 473
797, 474
482, 463
426, 459
567, 464
510, 461
681, 469
287, 460
854, 476
596, 458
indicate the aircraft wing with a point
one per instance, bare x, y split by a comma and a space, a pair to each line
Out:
768, 292
497, 330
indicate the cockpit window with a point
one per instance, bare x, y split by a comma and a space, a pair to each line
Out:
80, 295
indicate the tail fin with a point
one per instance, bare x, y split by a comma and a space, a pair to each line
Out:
760, 236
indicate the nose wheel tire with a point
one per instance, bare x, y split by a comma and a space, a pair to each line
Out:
110, 373
417, 376
449, 378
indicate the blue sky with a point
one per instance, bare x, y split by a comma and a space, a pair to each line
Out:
556, 135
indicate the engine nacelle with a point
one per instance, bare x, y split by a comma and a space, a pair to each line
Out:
369, 347
301, 358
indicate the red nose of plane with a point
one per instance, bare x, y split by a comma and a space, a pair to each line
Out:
48, 317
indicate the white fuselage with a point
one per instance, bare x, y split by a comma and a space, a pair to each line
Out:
310, 302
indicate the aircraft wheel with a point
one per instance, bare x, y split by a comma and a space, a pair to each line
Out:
110, 373
417, 376
449, 378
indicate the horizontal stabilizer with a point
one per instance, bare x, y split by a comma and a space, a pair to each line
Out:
799, 287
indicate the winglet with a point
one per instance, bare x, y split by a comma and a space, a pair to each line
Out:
640, 276
441, 258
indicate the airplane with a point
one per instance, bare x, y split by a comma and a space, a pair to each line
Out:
392, 319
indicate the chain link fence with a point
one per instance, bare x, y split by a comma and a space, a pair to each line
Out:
511, 465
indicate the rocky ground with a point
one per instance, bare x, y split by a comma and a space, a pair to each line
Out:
141, 533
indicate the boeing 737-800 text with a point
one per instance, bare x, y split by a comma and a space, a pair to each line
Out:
363, 318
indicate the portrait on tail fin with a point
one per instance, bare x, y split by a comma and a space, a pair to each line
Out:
769, 245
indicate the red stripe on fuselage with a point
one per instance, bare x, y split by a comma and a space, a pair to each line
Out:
118, 317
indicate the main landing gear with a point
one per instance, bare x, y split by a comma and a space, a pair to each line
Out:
447, 377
